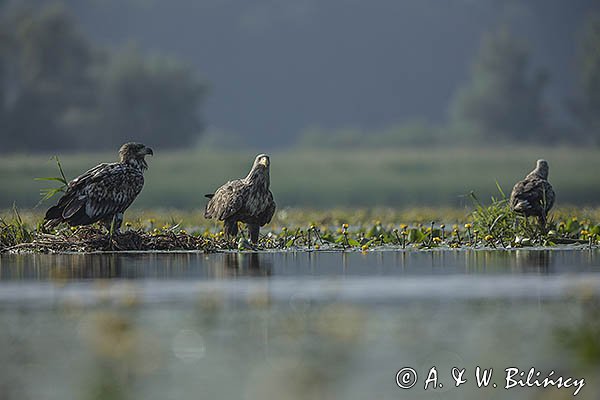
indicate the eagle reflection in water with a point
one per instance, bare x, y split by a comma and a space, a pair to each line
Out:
246, 264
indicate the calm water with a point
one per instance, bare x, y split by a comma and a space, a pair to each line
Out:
296, 325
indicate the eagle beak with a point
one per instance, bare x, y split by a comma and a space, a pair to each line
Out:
149, 151
264, 161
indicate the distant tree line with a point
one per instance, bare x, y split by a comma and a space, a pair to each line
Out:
502, 101
59, 91
503, 98
586, 106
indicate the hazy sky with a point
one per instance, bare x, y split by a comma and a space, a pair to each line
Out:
277, 67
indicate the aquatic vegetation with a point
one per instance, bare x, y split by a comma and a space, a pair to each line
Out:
14, 231
48, 193
486, 226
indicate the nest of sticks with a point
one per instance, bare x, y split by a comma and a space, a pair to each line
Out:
91, 239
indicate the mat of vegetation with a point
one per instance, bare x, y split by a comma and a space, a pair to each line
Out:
488, 227
394, 177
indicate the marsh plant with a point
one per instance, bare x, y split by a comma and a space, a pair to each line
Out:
48, 193
492, 225
489, 226
13, 231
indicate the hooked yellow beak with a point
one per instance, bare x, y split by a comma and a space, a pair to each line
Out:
264, 161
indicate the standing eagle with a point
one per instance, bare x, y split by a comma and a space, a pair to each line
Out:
534, 196
247, 200
104, 192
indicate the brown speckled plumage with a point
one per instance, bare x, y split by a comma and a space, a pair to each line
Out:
534, 196
104, 192
247, 200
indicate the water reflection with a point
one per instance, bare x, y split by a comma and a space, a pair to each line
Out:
243, 264
291, 264
533, 261
292, 338
132, 266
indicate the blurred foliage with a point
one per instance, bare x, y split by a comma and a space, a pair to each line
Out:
399, 177
503, 100
59, 91
413, 132
587, 106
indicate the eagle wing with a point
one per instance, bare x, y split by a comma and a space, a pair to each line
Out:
532, 195
266, 216
227, 200
98, 193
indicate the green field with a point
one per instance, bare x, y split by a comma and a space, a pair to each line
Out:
398, 178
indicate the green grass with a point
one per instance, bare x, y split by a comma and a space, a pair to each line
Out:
398, 178
335, 229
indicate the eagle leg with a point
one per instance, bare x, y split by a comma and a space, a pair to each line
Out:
113, 223
542, 222
231, 228
253, 230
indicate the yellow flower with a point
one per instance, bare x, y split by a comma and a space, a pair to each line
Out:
365, 247
468, 226
345, 226
317, 247
437, 240
403, 226
489, 237
442, 226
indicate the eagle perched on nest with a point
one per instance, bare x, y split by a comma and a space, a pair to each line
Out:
534, 196
247, 200
104, 192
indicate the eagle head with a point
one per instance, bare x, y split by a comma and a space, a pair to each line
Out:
134, 153
259, 174
261, 160
542, 168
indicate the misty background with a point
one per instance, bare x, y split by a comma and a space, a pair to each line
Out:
380, 103
91, 74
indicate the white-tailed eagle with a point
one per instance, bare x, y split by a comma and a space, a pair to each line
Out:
534, 196
247, 200
104, 192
